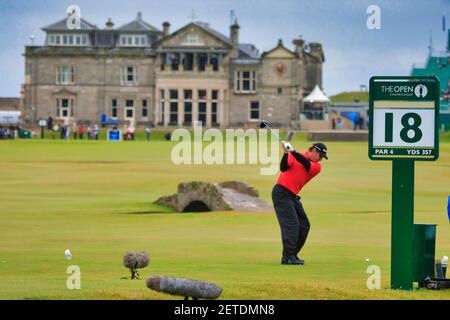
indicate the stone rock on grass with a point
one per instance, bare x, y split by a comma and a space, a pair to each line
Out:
243, 202
205, 196
241, 187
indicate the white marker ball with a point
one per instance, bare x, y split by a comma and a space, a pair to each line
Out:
68, 254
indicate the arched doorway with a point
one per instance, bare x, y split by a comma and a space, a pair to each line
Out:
196, 206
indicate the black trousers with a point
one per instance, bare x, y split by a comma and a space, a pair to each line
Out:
292, 218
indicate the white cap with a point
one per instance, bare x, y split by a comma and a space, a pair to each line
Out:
444, 260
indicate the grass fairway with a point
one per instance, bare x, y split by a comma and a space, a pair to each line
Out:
95, 198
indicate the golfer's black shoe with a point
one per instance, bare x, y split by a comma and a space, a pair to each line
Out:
302, 260
292, 260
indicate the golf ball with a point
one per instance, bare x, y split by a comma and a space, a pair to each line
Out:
68, 254
367, 260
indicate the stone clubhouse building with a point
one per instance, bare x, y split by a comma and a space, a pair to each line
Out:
141, 75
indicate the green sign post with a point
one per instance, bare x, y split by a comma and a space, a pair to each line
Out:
403, 127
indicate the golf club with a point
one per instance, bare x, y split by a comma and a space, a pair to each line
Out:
265, 124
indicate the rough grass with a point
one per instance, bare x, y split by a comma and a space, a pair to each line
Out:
350, 97
94, 198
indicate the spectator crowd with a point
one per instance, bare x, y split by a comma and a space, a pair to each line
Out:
77, 131
8, 132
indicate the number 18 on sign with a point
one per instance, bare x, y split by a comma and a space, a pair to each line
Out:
403, 127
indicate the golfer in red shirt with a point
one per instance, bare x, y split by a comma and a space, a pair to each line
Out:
297, 169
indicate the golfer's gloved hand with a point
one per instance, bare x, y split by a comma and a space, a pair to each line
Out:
287, 146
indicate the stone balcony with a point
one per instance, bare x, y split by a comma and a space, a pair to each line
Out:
195, 71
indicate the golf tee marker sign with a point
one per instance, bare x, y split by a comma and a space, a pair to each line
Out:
403, 127
404, 117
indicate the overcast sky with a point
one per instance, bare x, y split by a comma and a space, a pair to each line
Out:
353, 53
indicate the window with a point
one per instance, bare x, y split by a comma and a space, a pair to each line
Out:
161, 106
174, 61
76, 40
214, 104
188, 61
193, 39
114, 109
201, 94
202, 106
187, 106
127, 40
65, 75
64, 108
129, 76
173, 94
245, 82
202, 61
280, 90
254, 110
129, 109
215, 62
144, 108
173, 107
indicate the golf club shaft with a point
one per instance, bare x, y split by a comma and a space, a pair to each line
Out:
287, 146
273, 132
278, 137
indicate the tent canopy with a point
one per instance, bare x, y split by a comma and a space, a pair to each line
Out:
316, 96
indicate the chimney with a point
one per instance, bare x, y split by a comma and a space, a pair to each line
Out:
139, 16
234, 36
298, 43
166, 29
109, 24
